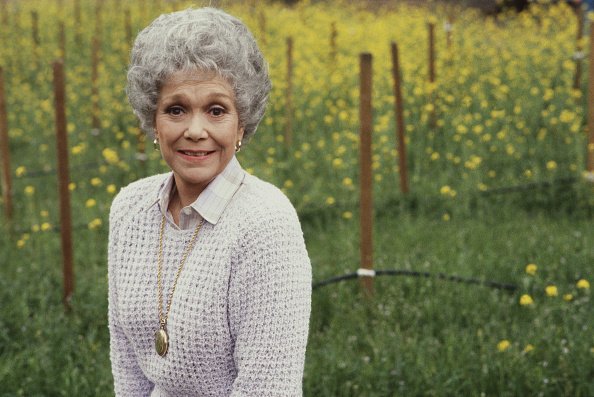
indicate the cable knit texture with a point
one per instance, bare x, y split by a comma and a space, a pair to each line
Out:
240, 313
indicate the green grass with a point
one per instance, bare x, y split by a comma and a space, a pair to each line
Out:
415, 336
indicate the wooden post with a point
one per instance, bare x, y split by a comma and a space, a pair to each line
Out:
98, 18
262, 23
95, 123
578, 47
128, 27
289, 94
5, 150
398, 109
431, 52
590, 147
4, 5
333, 36
63, 181
35, 27
432, 121
366, 204
62, 40
77, 23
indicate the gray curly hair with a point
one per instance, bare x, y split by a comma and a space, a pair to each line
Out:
205, 39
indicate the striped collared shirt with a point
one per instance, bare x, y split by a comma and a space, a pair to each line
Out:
210, 204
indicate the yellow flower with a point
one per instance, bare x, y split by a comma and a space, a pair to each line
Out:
551, 290
445, 217
503, 345
110, 155
78, 149
95, 223
347, 215
71, 186
45, 226
445, 190
20, 243
96, 181
531, 269
20, 171
288, 184
347, 181
526, 300
111, 188
568, 297
528, 348
44, 213
551, 165
90, 203
29, 190
330, 200
583, 284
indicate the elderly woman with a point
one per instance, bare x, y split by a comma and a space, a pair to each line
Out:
209, 278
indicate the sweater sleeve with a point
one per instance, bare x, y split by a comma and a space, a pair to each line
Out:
129, 380
269, 308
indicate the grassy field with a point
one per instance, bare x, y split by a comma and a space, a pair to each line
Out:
497, 193
417, 336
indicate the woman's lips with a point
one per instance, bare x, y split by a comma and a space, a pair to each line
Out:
195, 155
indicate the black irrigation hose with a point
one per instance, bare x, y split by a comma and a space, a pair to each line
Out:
412, 273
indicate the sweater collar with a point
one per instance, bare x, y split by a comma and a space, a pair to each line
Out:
211, 203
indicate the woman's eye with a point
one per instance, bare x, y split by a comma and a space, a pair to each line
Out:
175, 110
217, 111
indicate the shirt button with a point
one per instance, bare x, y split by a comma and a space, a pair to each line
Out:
187, 211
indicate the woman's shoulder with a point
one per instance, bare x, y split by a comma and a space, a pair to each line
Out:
137, 194
262, 202
265, 196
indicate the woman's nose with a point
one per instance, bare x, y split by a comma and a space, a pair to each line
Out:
197, 129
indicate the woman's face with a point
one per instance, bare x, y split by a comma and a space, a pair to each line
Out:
197, 125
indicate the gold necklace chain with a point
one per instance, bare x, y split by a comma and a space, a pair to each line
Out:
161, 336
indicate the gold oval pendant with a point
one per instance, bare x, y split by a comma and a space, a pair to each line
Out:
161, 342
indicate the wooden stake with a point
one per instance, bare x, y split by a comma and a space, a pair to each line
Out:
63, 181
5, 150
590, 148
77, 21
96, 123
4, 4
333, 36
431, 52
432, 121
128, 27
398, 109
289, 94
262, 23
578, 47
35, 27
366, 204
62, 40
98, 18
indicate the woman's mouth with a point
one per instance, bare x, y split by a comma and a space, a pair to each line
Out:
196, 153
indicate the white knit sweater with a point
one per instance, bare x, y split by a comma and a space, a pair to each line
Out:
239, 317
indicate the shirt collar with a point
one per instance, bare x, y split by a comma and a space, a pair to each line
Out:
211, 203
